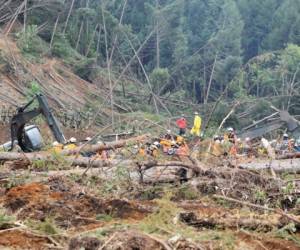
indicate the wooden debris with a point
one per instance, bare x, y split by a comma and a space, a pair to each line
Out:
106, 146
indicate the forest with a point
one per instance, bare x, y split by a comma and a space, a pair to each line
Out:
196, 50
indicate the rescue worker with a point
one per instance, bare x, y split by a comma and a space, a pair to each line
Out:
71, 144
291, 146
168, 135
248, 150
166, 144
285, 141
182, 124
57, 147
217, 148
196, 130
231, 135
283, 144
152, 150
297, 145
217, 139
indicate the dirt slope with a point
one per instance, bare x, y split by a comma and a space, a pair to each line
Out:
63, 88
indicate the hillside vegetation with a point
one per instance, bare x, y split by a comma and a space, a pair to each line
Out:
198, 51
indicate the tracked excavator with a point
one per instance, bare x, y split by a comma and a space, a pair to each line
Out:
29, 137
279, 119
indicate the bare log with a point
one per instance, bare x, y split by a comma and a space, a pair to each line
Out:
151, 164
278, 166
289, 156
228, 221
31, 157
106, 146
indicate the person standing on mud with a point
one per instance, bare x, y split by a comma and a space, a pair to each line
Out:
182, 124
196, 130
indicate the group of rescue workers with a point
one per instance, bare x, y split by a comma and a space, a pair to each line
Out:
176, 144
238, 146
171, 144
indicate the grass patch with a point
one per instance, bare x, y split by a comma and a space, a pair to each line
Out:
5, 219
104, 217
185, 192
47, 227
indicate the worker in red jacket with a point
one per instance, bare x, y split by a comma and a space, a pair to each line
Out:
182, 124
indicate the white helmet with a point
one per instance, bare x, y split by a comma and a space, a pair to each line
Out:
55, 144
230, 129
73, 139
88, 139
285, 135
196, 113
168, 131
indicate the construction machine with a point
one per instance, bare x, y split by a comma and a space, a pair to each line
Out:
275, 121
29, 137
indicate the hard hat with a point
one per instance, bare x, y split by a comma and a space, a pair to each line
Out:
183, 115
285, 135
88, 139
230, 129
196, 113
152, 147
55, 144
73, 139
216, 137
169, 131
135, 146
156, 143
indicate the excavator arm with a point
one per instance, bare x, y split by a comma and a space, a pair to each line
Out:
23, 116
263, 127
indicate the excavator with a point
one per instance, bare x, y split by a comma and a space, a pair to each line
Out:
29, 137
279, 119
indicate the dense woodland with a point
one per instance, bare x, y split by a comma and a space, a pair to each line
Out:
200, 50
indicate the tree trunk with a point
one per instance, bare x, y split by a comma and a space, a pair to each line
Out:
157, 38
106, 146
68, 17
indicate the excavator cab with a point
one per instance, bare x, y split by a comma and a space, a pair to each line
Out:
33, 138
29, 138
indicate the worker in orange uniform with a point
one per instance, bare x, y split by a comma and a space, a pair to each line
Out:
57, 147
182, 124
196, 130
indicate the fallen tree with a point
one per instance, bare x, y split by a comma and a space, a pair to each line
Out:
151, 164
284, 165
289, 156
29, 158
86, 148
92, 162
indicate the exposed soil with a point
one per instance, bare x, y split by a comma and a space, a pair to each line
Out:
18, 239
262, 243
69, 205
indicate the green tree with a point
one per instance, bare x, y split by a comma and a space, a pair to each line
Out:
158, 78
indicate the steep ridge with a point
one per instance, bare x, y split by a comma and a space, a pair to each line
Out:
63, 88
